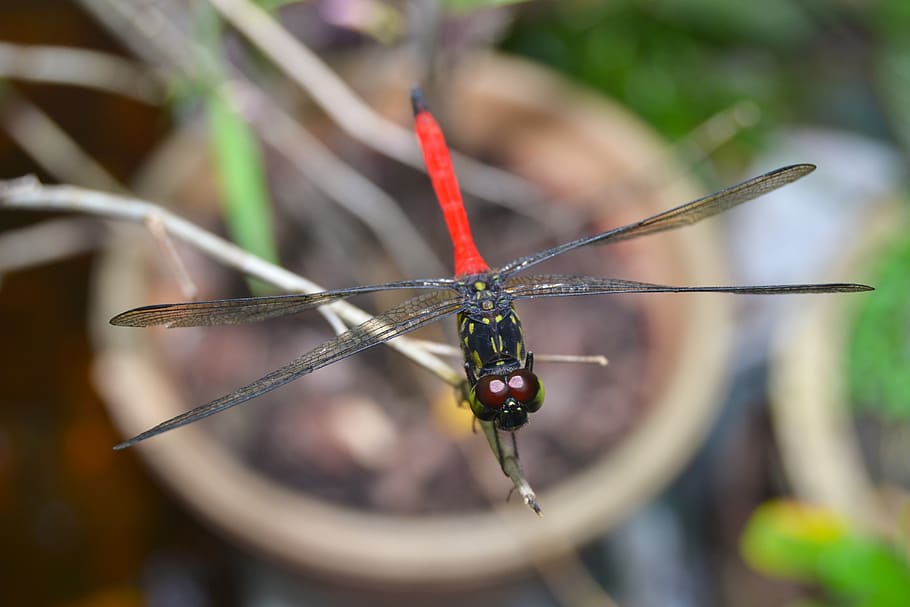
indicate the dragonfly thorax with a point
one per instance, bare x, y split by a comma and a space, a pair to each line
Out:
490, 331
492, 340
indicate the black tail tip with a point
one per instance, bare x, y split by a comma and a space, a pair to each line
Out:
417, 101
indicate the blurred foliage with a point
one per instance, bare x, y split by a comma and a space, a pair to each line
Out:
879, 352
678, 63
816, 546
891, 21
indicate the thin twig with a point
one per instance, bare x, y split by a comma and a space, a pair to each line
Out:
49, 145
79, 67
166, 245
47, 242
585, 359
151, 34
452, 351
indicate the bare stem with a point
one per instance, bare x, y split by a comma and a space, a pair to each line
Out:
159, 234
47, 242
49, 145
79, 67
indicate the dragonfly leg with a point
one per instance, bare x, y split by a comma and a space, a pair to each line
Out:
469, 371
529, 362
499, 453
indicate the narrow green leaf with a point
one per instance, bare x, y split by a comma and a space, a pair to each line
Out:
464, 6
237, 156
242, 179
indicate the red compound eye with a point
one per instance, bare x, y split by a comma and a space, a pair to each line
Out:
492, 391
523, 385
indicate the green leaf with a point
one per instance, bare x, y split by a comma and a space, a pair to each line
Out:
242, 179
814, 545
866, 571
879, 355
786, 538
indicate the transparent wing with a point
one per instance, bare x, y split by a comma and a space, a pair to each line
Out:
682, 215
401, 319
251, 309
555, 285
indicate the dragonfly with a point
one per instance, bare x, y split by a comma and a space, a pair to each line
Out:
502, 385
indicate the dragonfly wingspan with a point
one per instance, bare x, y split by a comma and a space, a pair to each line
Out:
403, 318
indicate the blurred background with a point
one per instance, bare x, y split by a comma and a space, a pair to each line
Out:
733, 452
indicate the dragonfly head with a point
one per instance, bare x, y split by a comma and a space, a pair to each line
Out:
506, 400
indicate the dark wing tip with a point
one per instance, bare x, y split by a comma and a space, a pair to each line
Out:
122, 320
127, 443
138, 317
418, 104
845, 287
806, 167
795, 171
138, 438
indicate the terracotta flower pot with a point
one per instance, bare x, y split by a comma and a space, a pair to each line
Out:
576, 146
